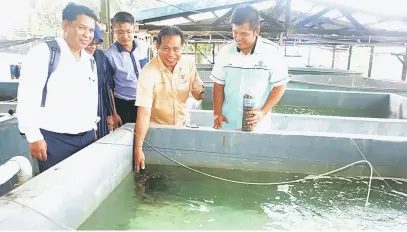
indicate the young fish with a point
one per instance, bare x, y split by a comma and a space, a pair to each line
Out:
148, 183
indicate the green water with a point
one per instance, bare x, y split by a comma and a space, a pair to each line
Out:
331, 112
284, 109
187, 200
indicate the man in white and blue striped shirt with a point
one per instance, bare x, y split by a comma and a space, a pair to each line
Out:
127, 56
248, 64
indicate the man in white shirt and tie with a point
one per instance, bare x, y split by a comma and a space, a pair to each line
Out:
58, 112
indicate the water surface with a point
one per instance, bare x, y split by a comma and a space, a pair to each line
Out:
187, 200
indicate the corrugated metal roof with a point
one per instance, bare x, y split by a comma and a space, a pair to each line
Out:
344, 22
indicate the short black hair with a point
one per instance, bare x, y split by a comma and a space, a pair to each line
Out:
246, 14
122, 17
170, 31
72, 11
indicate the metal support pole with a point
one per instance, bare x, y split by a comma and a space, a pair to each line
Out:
213, 53
349, 56
333, 56
105, 19
196, 51
404, 71
369, 73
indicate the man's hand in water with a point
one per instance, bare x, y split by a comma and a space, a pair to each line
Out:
139, 161
218, 119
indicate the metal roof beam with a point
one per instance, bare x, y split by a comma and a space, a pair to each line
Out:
287, 14
271, 21
223, 17
329, 21
187, 8
353, 20
190, 19
307, 40
228, 28
313, 17
278, 9
352, 9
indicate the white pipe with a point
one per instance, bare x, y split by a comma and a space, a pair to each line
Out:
8, 170
19, 165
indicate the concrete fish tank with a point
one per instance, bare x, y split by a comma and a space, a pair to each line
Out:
332, 103
203, 178
96, 189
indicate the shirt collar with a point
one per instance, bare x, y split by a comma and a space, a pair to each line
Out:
254, 47
120, 48
63, 45
162, 67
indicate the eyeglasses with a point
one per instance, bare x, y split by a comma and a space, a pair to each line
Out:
94, 44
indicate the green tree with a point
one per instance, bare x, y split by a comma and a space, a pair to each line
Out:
204, 48
132, 6
46, 16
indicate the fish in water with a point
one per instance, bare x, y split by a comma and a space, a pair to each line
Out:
148, 183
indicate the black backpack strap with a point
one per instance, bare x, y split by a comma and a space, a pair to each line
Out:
55, 53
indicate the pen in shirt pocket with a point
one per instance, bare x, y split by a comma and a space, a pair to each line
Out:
91, 80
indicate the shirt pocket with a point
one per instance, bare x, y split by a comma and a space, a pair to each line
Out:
160, 89
182, 86
232, 74
259, 80
262, 73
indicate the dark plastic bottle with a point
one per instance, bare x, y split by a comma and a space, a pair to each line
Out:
249, 104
